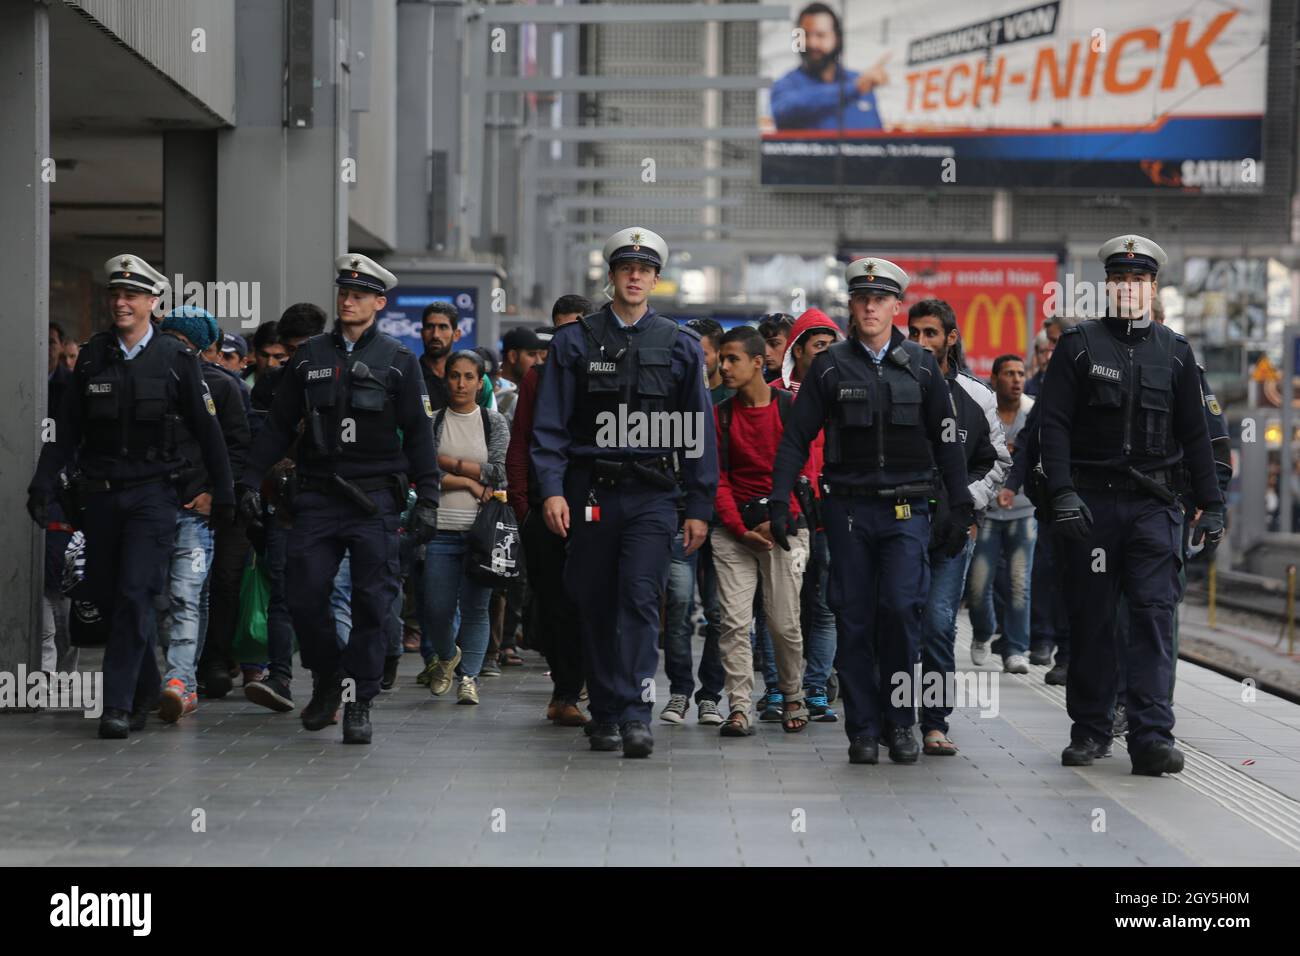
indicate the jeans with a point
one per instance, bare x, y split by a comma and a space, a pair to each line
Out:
818, 623
1049, 621
761, 639
341, 601
57, 652
446, 590
1014, 539
678, 631
182, 612
939, 630
279, 625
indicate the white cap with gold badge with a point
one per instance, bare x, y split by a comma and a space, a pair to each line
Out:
356, 271
876, 275
638, 243
1132, 254
131, 272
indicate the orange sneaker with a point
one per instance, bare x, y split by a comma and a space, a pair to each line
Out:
176, 702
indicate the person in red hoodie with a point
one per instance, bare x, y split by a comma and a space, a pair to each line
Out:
749, 430
813, 333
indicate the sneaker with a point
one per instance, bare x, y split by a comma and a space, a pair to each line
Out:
979, 652
708, 713
272, 693
1040, 654
176, 702
772, 706
467, 693
490, 668
1119, 725
422, 678
1016, 664
443, 674
675, 712
819, 709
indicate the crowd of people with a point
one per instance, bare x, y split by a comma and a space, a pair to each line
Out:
757, 532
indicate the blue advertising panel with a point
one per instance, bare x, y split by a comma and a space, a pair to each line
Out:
401, 318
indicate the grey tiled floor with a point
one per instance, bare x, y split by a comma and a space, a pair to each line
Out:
497, 785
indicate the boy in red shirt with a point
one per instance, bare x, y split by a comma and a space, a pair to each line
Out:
749, 430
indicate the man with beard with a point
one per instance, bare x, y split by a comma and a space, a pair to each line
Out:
440, 330
821, 94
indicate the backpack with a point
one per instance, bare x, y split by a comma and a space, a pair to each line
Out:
783, 401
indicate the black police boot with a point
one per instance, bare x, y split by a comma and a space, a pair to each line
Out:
1120, 725
902, 745
1056, 675
390, 672
214, 681
637, 739
356, 723
1040, 654
604, 736
326, 697
864, 749
113, 724
1152, 762
1081, 753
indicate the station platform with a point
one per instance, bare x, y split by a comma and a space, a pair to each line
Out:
444, 784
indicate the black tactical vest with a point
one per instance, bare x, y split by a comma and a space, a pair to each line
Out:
130, 408
350, 397
875, 421
1129, 393
633, 370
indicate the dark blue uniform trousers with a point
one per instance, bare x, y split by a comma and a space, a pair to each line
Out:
879, 579
1139, 540
324, 527
1049, 618
615, 573
129, 537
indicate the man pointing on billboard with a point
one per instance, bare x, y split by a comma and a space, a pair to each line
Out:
821, 94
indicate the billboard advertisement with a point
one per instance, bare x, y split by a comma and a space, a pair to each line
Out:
1164, 95
401, 317
998, 299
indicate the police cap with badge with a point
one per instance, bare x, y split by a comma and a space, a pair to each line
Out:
129, 271
1132, 254
875, 275
356, 271
636, 244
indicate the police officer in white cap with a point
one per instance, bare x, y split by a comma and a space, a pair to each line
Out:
615, 495
1120, 411
356, 388
889, 419
134, 396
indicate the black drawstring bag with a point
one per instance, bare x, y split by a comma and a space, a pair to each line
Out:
492, 550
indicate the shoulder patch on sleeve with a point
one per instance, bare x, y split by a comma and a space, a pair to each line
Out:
207, 400
1212, 404
428, 406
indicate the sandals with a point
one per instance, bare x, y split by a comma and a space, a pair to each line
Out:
736, 725
937, 744
793, 721
508, 658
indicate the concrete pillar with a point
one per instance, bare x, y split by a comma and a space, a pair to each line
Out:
190, 205
24, 315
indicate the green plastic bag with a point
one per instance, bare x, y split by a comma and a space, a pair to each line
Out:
250, 627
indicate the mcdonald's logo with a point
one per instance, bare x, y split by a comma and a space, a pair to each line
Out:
997, 313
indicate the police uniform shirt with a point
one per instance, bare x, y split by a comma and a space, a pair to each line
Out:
416, 456
816, 403
553, 444
1220, 438
1066, 406
105, 411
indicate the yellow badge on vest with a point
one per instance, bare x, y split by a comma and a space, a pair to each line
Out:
902, 511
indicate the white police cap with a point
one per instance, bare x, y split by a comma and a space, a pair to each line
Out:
639, 243
361, 272
1132, 253
131, 272
876, 275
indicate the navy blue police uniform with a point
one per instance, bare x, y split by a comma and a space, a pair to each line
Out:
1121, 411
125, 422
623, 497
352, 473
889, 421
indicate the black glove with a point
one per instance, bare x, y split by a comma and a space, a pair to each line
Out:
1070, 516
1209, 528
38, 509
424, 521
957, 532
249, 505
778, 513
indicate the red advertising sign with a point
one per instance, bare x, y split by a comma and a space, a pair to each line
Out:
998, 299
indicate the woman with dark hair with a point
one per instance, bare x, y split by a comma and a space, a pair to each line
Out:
472, 443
